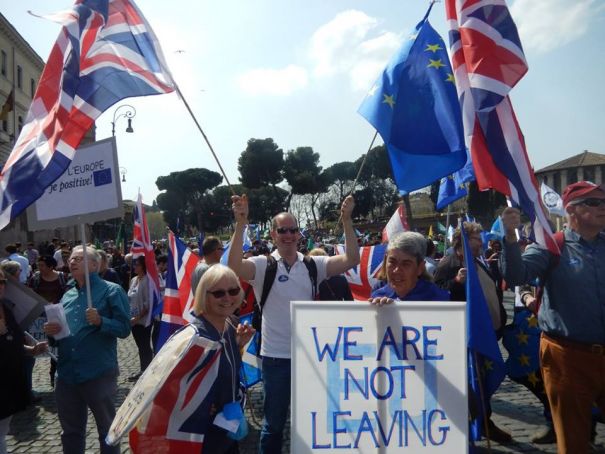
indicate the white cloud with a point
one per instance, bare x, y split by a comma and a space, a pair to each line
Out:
349, 44
545, 25
279, 82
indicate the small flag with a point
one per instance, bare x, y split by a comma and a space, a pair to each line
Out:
8, 105
397, 223
552, 201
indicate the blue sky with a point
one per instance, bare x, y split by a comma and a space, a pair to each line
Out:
297, 70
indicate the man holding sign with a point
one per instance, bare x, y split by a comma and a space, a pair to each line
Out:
88, 361
294, 278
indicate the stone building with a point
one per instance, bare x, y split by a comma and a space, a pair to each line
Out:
584, 166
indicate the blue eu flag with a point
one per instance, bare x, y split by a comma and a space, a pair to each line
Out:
452, 187
414, 106
485, 364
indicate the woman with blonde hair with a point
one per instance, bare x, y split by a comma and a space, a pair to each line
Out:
217, 297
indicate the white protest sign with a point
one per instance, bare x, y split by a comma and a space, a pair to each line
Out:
369, 379
88, 191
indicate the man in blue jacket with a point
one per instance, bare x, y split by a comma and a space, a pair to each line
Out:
87, 370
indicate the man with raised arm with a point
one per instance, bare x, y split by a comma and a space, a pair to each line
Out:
294, 278
572, 311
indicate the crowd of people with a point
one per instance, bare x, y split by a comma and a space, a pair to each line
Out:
558, 318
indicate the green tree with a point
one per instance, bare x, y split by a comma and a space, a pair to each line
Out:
186, 195
261, 164
484, 205
303, 173
341, 175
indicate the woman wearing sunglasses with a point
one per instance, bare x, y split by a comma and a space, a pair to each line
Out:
217, 297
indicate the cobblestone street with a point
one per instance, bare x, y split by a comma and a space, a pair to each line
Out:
37, 429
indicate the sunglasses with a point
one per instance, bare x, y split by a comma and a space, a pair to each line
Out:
220, 293
592, 202
282, 230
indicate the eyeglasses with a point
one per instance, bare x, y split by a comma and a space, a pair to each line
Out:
282, 230
76, 258
592, 202
220, 293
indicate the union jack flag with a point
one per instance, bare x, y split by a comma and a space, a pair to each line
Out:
178, 417
488, 61
105, 52
142, 246
364, 276
178, 298
397, 223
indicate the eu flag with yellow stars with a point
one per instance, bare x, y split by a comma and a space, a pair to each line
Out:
414, 107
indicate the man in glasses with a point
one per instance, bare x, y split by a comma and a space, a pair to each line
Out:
293, 280
572, 312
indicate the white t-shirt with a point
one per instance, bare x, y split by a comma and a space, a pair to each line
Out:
290, 286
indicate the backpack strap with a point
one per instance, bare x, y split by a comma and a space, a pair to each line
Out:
270, 274
552, 264
312, 269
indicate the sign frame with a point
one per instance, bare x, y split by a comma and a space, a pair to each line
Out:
111, 197
315, 386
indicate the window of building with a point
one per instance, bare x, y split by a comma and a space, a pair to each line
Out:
572, 176
20, 123
19, 77
32, 87
556, 182
3, 62
589, 174
5, 125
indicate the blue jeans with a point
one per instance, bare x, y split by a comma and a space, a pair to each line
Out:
276, 381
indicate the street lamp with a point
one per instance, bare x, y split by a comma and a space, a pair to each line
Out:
129, 114
123, 172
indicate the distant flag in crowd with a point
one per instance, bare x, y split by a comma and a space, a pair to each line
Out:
364, 276
414, 107
488, 62
430, 233
250, 373
397, 223
552, 201
246, 246
178, 298
497, 230
179, 415
469, 218
453, 187
105, 52
121, 239
142, 246
483, 350
441, 228
8, 105
450, 233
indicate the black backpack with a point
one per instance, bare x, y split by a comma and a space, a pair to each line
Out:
270, 273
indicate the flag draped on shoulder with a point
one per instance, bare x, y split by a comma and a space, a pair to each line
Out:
142, 246
178, 297
364, 276
398, 223
414, 107
453, 187
488, 62
485, 364
105, 52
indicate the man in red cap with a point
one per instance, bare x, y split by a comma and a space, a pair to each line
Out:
572, 311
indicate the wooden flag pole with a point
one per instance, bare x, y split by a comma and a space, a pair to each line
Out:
205, 137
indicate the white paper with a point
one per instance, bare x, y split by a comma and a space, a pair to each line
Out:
230, 425
56, 314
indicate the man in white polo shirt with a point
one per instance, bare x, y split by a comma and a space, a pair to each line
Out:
292, 282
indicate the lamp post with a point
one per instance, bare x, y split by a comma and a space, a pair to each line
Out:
123, 172
129, 114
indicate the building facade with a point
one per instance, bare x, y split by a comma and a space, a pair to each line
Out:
584, 166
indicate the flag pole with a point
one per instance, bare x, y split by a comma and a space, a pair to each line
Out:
447, 226
85, 261
362, 164
178, 90
482, 399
